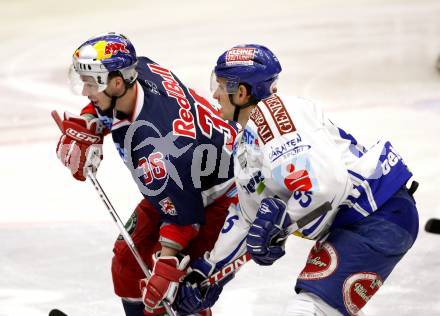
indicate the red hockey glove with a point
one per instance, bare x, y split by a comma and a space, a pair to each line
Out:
163, 284
80, 146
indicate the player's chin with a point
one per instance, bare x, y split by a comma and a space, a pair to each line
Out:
226, 115
99, 105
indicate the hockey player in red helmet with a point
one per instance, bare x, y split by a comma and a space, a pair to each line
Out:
178, 150
290, 159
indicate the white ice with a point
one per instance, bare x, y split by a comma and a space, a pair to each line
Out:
370, 63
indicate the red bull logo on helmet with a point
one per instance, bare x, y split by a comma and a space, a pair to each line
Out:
106, 49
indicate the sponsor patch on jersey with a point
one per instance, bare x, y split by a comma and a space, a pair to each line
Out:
255, 184
152, 87
242, 160
322, 262
292, 147
279, 114
167, 206
296, 175
249, 137
358, 289
263, 128
297, 179
240, 56
130, 226
390, 159
184, 125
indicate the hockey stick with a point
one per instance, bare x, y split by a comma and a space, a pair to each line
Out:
235, 265
56, 117
116, 219
433, 226
124, 233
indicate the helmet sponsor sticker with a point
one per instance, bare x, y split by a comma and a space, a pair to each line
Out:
322, 262
106, 49
358, 289
240, 56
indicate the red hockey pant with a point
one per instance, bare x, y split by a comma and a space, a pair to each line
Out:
144, 227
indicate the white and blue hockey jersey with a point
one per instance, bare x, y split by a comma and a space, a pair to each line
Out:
290, 150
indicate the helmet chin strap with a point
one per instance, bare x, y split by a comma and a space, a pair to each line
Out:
251, 101
113, 100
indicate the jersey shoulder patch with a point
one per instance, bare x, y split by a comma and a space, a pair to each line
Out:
279, 114
272, 119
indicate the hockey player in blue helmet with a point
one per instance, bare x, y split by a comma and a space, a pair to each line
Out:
247, 72
289, 160
157, 124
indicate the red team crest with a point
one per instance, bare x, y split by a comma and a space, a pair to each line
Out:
167, 206
321, 262
359, 288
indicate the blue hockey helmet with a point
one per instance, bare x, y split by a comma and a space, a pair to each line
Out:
99, 56
251, 64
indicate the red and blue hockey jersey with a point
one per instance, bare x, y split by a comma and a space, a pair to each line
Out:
176, 146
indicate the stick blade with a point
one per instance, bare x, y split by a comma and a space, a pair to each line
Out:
57, 119
433, 226
56, 312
